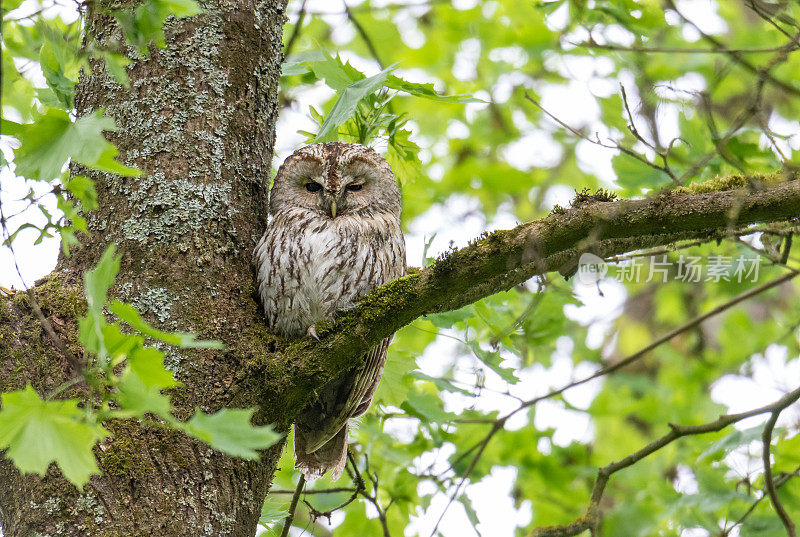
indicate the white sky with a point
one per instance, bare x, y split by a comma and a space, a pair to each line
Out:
574, 102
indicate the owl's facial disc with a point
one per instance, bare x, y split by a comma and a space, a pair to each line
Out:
335, 180
341, 185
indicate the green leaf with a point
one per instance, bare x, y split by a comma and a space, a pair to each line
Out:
294, 68
392, 388
182, 8
448, 319
272, 513
52, 139
346, 104
731, 441
426, 91
427, 407
337, 75
128, 313
115, 65
10, 5
144, 25
403, 157
230, 431
119, 345
90, 334
492, 360
441, 384
98, 280
17, 91
148, 364
37, 432
298, 64
137, 398
83, 189
469, 510
96, 285
635, 175
60, 70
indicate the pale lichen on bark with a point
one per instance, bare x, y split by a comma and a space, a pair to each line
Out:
198, 120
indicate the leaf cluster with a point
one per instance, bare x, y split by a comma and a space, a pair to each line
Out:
362, 112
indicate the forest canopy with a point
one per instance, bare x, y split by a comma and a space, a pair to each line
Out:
647, 393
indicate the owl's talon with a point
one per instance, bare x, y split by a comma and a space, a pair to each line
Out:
312, 331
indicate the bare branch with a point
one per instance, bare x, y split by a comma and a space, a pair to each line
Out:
737, 56
293, 507
499, 423
301, 15
591, 518
592, 44
769, 482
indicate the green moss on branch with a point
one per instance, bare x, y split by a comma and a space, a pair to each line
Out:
502, 259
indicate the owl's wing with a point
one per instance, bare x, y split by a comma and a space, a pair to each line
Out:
321, 430
350, 402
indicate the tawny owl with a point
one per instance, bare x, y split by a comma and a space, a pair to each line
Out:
333, 236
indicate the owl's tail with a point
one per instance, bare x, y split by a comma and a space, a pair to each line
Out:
331, 456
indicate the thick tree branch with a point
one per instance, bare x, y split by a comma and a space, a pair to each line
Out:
503, 259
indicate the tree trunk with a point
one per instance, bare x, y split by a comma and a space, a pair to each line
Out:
199, 121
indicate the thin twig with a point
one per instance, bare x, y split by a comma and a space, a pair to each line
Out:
591, 518
741, 297
500, 422
669, 249
364, 35
367, 7
361, 489
780, 481
48, 328
615, 145
765, 16
290, 517
313, 491
737, 56
373, 499
591, 44
754, 107
301, 15
769, 483
482, 446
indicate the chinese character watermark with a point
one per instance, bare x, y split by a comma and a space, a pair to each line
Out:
690, 269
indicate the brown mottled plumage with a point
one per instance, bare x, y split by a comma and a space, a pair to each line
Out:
333, 236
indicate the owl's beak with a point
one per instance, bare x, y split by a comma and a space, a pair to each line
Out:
330, 198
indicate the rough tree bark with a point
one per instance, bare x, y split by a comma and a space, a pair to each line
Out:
199, 119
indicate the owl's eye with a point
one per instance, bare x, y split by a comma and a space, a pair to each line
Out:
311, 186
354, 188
